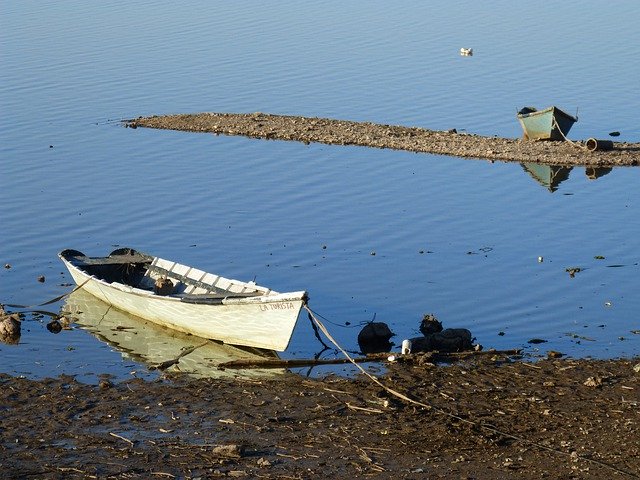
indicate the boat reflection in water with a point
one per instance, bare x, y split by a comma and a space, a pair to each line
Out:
153, 345
550, 176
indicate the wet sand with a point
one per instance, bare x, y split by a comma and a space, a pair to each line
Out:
419, 140
486, 417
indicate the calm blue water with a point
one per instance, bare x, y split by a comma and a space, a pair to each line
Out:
72, 177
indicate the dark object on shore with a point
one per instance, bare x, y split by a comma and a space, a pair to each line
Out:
548, 124
430, 324
602, 145
438, 339
614, 134
448, 340
374, 338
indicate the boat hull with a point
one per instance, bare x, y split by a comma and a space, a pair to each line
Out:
265, 321
548, 124
144, 341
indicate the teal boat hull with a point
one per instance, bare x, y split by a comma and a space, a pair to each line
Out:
548, 124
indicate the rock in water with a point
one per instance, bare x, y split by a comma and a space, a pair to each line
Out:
447, 341
10, 327
374, 338
452, 340
430, 324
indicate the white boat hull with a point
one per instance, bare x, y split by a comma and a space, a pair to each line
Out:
265, 321
144, 341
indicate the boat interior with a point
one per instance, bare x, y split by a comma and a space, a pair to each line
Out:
163, 277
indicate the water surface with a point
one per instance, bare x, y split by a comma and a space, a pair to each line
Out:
457, 238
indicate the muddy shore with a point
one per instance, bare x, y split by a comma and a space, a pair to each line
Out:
484, 418
420, 140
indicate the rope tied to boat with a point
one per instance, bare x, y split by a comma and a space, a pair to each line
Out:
484, 426
573, 144
53, 300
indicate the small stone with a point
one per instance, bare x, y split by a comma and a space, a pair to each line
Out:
54, 326
104, 384
593, 382
228, 451
554, 354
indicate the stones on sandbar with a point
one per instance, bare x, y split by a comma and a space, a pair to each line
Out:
413, 139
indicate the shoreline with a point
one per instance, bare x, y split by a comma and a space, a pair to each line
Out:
488, 418
419, 140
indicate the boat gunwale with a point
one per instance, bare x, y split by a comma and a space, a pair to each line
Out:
272, 297
546, 111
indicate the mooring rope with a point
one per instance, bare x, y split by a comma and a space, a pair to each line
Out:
573, 144
53, 300
456, 417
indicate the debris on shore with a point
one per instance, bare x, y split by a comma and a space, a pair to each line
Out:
413, 139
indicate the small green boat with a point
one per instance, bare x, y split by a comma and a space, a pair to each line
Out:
548, 124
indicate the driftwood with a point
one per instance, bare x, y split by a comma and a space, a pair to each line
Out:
169, 363
374, 357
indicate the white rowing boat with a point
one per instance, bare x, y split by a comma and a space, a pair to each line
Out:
187, 299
